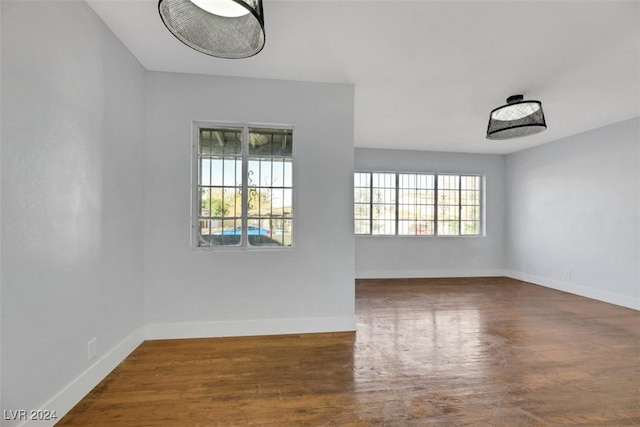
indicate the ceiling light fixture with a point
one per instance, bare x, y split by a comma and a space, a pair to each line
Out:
515, 119
222, 28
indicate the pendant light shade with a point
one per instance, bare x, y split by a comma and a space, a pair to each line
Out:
515, 119
222, 28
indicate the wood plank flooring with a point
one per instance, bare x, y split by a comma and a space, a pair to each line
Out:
442, 352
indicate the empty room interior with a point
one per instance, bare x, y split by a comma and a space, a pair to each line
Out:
320, 213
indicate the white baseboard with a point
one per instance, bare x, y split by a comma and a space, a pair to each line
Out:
576, 289
157, 331
77, 389
427, 274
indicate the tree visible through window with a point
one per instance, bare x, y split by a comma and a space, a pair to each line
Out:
244, 186
417, 204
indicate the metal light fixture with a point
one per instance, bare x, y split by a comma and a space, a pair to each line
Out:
221, 28
515, 119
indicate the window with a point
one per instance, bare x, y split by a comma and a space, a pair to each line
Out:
408, 204
244, 191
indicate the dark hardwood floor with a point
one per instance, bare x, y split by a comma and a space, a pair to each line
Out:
445, 352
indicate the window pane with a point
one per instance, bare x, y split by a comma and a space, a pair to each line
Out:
287, 204
448, 228
382, 211
416, 203
415, 228
220, 141
362, 227
280, 233
470, 197
219, 188
407, 212
470, 209
448, 182
287, 173
218, 202
218, 232
470, 213
361, 179
470, 227
383, 198
382, 227
270, 199
448, 205
220, 171
384, 180
361, 211
383, 195
361, 200
361, 195
448, 212
270, 142
448, 197
470, 183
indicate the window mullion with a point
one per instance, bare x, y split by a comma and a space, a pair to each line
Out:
435, 205
198, 197
459, 205
397, 206
480, 207
371, 203
244, 239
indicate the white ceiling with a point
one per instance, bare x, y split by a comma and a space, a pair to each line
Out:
427, 73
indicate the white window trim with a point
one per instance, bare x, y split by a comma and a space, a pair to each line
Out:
195, 199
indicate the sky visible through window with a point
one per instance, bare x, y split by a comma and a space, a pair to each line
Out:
263, 173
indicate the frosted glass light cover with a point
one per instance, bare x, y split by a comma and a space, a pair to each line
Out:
228, 8
515, 111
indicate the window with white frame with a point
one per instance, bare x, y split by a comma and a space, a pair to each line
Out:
244, 186
405, 204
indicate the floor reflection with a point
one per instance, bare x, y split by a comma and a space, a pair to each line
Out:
427, 351
500, 353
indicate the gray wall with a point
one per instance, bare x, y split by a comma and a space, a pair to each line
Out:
573, 214
72, 196
436, 256
203, 293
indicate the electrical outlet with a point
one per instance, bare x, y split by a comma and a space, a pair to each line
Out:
567, 274
92, 348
